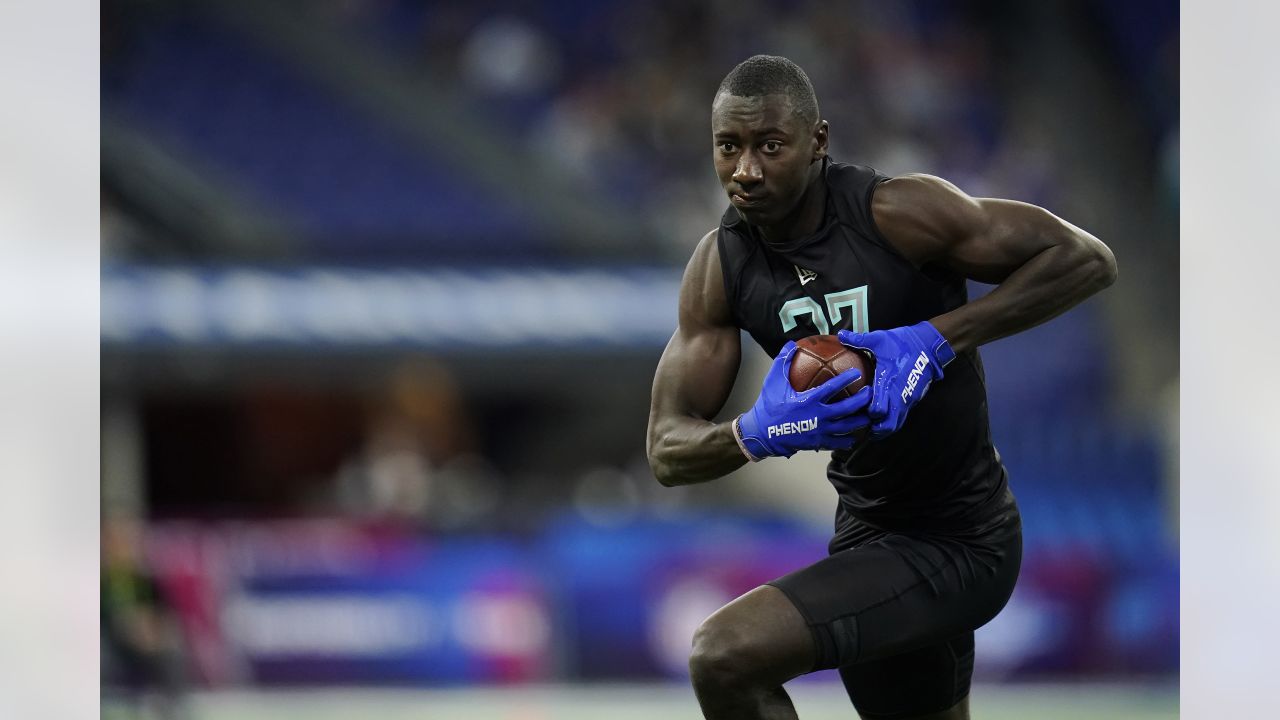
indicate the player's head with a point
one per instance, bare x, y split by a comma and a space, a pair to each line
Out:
768, 137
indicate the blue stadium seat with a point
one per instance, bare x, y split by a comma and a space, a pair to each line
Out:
352, 186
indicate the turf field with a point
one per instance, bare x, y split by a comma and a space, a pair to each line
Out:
815, 701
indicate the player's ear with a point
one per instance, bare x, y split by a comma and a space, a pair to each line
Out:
820, 140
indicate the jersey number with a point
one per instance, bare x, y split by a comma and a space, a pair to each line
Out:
855, 301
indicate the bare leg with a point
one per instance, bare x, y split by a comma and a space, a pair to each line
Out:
743, 654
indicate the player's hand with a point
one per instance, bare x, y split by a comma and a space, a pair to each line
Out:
908, 360
784, 420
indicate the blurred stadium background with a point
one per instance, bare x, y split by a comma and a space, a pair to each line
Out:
384, 283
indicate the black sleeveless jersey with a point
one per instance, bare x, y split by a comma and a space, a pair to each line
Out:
940, 471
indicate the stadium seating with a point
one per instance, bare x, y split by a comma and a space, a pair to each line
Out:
354, 189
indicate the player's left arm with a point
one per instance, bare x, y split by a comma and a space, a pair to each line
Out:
1042, 266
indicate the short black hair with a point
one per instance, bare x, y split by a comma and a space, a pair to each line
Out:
773, 75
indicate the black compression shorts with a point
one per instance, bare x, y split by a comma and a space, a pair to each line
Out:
896, 612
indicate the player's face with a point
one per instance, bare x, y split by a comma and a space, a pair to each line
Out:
762, 155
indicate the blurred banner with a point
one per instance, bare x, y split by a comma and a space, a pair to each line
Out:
328, 601
398, 308
333, 602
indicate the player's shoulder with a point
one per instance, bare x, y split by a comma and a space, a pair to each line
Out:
705, 254
724, 252
708, 241
921, 214
908, 189
702, 292
915, 199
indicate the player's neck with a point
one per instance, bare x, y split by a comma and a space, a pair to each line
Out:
806, 217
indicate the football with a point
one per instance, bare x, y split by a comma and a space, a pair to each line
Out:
819, 358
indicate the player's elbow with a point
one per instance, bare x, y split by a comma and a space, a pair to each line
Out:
661, 462
1093, 264
664, 474
669, 460
656, 455
1102, 266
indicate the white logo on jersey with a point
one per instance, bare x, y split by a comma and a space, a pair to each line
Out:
792, 428
922, 362
806, 276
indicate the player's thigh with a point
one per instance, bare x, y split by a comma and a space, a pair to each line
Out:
926, 683
760, 635
899, 594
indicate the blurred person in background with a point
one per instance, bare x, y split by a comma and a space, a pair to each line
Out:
928, 540
418, 462
141, 645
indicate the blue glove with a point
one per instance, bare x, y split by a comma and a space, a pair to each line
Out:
784, 420
908, 360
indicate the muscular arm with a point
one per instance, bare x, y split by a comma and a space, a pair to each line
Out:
1042, 264
693, 380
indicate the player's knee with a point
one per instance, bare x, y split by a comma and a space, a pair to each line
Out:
721, 655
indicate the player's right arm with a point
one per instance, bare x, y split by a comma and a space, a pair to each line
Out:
693, 381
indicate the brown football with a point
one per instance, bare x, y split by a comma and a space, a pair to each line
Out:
819, 358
